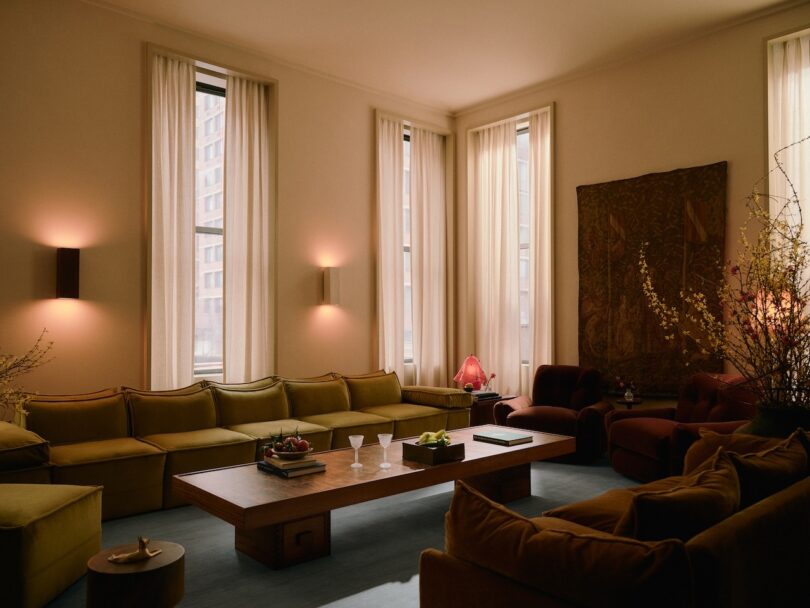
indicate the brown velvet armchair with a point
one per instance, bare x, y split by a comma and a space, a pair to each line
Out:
649, 444
566, 400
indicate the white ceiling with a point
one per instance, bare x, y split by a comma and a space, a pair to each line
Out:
449, 54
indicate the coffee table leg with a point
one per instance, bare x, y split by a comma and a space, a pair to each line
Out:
287, 543
505, 485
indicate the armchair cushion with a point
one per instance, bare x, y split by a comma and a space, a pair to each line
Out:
697, 503
502, 409
665, 413
586, 569
437, 396
647, 436
544, 418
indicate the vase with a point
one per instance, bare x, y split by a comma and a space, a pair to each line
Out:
777, 421
628, 395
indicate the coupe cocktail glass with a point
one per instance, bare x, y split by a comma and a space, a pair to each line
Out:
356, 441
385, 441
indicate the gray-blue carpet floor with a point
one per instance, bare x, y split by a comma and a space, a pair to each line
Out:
375, 546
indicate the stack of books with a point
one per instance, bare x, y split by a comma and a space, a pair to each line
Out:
483, 394
291, 468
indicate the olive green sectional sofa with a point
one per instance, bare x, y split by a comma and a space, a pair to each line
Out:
132, 442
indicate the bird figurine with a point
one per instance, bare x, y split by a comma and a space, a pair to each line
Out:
142, 553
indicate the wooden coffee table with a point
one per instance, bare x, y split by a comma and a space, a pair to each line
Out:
281, 522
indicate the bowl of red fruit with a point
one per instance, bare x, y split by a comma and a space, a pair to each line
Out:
291, 447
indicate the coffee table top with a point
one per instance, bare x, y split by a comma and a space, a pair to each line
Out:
245, 496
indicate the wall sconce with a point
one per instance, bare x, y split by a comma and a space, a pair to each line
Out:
67, 273
331, 286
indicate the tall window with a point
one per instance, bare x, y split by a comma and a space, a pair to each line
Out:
510, 242
524, 216
209, 232
412, 251
406, 244
211, 171
789, 120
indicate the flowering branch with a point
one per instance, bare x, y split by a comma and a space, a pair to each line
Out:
12, 399
764, 327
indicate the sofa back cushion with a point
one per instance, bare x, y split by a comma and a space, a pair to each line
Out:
185, 390
370, 391
243, 406
153, 414
593, 569
72, 420
21, 448
253, 384
313, 398
770, 470
699, 502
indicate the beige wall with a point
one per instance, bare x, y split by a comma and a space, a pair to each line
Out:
694, 104
72, 166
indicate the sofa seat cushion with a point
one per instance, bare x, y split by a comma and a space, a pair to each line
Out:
344, 424
437, 396
107, 449
698, 502
604, 511
156, 413
411, 420
586, 569
192, 440
311, 398
200, 451
738, 443
47, 534
374, 390
457, 418
771, 470
243, 406
70, 420
131, 472
21, 448
319, 437
647, 436
545, 418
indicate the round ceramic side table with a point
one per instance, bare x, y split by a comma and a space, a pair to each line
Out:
157, 582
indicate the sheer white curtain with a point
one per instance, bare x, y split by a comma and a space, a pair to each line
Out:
249, 230
390, 271
789, 120
428, 257
172, 218
541, 244
494, 243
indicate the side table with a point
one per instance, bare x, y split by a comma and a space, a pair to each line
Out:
157, 582
628, 404
483, 409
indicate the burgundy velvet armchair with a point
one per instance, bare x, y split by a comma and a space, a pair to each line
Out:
566, 400
649, 444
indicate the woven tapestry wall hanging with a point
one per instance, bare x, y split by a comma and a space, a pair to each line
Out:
681, 214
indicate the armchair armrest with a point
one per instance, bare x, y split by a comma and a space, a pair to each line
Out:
502, 409
667, 413
591, 430
687, 433
435, 396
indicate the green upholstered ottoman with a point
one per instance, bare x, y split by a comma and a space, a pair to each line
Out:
47, 534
